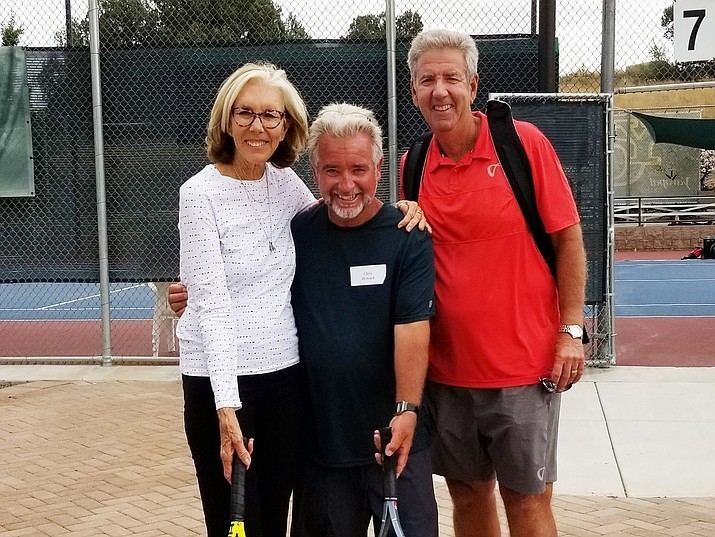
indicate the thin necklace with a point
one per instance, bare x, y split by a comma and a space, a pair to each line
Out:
269, 234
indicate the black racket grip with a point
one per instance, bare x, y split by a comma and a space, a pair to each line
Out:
238, 489
389, 475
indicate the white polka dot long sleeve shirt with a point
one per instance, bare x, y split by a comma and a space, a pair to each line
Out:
239, 320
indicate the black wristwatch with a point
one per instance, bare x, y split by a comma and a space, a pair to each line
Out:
405, 406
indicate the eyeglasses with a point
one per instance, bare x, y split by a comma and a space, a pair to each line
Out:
270, 119
551, 387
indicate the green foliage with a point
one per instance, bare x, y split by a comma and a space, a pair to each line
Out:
408, 25
666, 21
371, 26
294, 29
178, 23
11, 32
367, 27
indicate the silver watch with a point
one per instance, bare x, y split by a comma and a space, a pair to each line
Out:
405, 406
573, 330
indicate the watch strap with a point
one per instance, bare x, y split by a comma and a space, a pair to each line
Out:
405, 406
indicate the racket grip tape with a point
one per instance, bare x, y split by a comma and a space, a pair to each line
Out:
238, 489
389, 475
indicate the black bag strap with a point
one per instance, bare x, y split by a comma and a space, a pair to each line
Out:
517, 169
514, 161
414, 166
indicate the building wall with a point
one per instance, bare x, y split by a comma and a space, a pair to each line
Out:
662, 237
650, 100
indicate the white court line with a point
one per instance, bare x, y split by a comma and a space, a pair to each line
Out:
666, 316
669, 280
663, 304
93, 320
65, 310
87, 297
656, 263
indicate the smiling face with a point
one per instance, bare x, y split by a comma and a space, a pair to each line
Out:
347, 177
442, 91
254, 143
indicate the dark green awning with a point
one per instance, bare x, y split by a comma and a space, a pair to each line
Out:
698, 133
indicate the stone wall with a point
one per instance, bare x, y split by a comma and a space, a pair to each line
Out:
662, 237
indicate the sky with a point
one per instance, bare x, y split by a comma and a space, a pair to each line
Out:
578, 24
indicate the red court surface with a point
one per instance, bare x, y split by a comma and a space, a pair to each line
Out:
665, 341
650, 255
73, 338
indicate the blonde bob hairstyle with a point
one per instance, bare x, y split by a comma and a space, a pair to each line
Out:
342, 120
219, 144
429, 40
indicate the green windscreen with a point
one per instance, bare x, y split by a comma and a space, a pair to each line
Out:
16, 166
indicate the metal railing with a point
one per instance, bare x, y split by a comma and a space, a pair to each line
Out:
668, 210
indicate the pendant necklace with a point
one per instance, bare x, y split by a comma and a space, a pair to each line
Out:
257, 205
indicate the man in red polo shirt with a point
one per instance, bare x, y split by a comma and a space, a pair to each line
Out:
503, 323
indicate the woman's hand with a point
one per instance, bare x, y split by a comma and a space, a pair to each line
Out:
177, 297
232, 441
413, 216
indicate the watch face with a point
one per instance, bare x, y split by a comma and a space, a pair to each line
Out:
573, 330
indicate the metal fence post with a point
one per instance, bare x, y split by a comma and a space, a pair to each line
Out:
99, 175
608, 45
391, 100
640, 211
547, 46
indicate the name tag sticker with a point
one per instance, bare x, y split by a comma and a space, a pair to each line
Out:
367, 275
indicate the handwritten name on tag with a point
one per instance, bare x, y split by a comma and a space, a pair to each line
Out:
367, 275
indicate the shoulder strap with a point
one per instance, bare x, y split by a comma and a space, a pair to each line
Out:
414, 166
517, 169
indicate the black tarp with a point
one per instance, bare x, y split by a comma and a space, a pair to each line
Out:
156, 106
698, 133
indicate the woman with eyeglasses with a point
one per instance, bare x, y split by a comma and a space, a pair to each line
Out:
238, 340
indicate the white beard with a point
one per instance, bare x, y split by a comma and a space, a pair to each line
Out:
347, 213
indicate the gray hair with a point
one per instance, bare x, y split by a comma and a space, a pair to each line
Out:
343, 120
428, 40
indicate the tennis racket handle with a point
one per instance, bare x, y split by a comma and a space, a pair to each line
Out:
389, 476
238, 489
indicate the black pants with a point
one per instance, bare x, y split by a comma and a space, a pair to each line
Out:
340, 502
271, 415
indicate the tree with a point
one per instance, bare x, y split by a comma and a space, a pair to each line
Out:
226, 22
127, 23
11, 32
666, 21
367, 27
294, 29
407, 26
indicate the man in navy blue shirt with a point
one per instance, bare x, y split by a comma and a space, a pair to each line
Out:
362, 298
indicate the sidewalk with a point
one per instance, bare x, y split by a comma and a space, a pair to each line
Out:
92, 451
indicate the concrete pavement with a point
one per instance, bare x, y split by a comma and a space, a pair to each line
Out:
87, 450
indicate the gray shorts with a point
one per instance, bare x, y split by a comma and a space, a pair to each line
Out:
482, 432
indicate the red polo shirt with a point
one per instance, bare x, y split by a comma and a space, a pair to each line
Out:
496, 301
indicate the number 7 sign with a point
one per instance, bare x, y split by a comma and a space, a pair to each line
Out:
694, 30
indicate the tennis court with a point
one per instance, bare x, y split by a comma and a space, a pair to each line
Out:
664, 316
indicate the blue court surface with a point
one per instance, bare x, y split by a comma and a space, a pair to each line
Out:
665, 288
73, 301
643, 289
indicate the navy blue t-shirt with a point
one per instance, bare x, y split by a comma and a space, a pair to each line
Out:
351, 286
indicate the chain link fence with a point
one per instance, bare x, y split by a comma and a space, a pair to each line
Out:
161, 64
